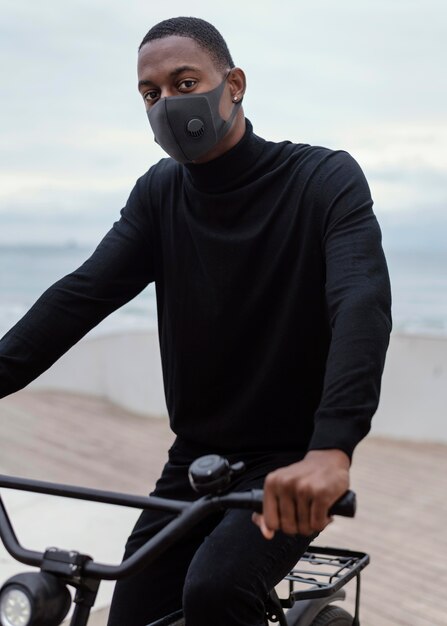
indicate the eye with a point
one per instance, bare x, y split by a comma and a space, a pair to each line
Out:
150, 96
187, 84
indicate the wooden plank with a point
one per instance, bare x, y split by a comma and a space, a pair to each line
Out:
401, 488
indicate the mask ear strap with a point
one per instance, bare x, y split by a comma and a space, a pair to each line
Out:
236, 107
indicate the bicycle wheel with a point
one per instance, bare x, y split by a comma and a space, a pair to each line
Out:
333, 616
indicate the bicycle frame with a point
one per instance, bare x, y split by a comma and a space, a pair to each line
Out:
79, 570
82, 573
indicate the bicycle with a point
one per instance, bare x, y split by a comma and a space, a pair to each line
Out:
43, 599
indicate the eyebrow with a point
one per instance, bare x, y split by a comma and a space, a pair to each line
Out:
173, 74
183, 68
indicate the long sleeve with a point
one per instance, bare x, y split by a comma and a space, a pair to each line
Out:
358, 302
120, 267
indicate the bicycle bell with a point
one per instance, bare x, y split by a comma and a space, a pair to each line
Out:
212, 473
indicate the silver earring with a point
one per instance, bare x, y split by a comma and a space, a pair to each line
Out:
235, 99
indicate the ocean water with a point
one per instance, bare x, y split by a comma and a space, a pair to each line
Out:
419, 284
26, 271
419, 289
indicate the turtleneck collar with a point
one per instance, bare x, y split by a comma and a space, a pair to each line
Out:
231, 169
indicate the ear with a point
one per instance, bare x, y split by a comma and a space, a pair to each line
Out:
238, 84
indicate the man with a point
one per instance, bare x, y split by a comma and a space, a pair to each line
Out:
274, 318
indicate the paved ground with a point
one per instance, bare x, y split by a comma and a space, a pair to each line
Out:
401, 489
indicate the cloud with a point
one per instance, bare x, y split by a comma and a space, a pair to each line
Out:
361, 76
406, 165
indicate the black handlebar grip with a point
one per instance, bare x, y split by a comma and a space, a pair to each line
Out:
257, 497
345, 506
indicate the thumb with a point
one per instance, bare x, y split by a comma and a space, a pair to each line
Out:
260, 522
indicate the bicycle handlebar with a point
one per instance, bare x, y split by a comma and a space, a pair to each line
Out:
190, 513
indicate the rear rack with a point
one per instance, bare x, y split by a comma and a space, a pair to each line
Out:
322, 571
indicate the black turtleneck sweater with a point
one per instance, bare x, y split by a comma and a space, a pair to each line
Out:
272, 292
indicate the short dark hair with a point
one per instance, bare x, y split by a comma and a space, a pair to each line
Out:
204, 34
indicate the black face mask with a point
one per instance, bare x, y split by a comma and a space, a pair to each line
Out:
188, 126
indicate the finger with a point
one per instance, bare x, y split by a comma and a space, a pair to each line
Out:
303, 504
288, 514
319, 518
270, 505
260, 522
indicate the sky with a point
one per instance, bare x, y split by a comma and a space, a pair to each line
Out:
367, 76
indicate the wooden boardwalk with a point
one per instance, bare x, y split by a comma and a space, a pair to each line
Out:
401, 486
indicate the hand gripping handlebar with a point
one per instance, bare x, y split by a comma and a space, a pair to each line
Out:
188, 515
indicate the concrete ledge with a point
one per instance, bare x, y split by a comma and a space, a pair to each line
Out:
123, 368
126, 369
413, 400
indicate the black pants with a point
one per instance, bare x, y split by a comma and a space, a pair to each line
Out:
222, 571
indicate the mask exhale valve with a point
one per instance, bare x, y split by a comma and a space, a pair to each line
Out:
195, 127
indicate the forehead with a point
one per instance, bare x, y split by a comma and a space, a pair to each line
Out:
160, 57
